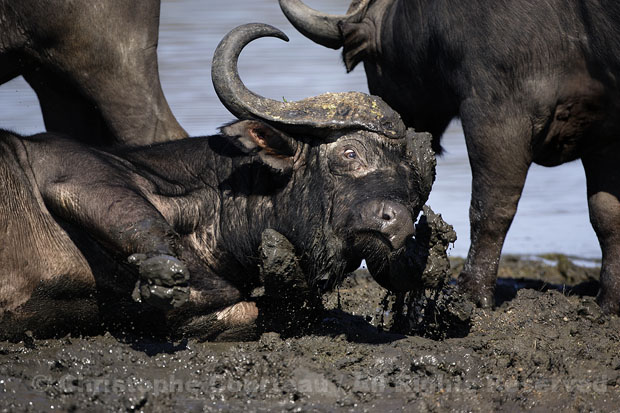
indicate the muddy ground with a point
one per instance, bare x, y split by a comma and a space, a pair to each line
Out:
546, 346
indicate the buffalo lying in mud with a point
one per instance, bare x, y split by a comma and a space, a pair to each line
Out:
93, 66
532, 81
177, 226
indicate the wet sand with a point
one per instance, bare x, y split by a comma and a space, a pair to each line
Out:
546, 346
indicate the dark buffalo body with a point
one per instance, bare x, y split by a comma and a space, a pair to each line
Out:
93, 66
344, 184
531, 81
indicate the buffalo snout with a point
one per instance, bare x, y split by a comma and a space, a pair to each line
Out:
391, 219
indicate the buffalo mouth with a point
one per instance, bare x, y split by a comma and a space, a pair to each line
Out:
380, 257
373, 246
372, 242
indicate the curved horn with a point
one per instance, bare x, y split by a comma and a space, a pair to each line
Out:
320, 27
316, 115
233, 94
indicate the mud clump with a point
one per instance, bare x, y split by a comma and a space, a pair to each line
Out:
437, 314
423, 263
435, 235
433, 308
287, 304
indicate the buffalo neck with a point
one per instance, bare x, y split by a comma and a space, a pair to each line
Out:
221, 200
188, 179
411, 53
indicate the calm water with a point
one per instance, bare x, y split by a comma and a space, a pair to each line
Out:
552, 215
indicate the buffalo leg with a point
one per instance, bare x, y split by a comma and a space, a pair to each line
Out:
34, 249
67, 111
106, 107
603, 180
95, 194
105, 57
500, 159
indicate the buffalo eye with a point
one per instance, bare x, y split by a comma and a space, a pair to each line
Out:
350, 154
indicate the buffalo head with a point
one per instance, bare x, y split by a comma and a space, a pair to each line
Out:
352, 178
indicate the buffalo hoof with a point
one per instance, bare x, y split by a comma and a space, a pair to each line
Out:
608, 303
481, 299
163, 281
485, 301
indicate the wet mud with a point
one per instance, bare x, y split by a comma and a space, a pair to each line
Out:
546, 346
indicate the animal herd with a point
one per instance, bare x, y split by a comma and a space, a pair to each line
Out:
114, 215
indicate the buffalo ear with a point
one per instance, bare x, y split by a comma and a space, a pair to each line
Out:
359, 41
274, 148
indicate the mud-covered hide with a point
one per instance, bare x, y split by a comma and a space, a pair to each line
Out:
178, 228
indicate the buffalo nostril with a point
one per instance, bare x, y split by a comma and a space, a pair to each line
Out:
389, 212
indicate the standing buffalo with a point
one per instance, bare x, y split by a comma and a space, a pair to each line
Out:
532, 81
338, 175
93, 66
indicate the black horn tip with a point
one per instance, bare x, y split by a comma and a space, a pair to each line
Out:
319, 27
274, 32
